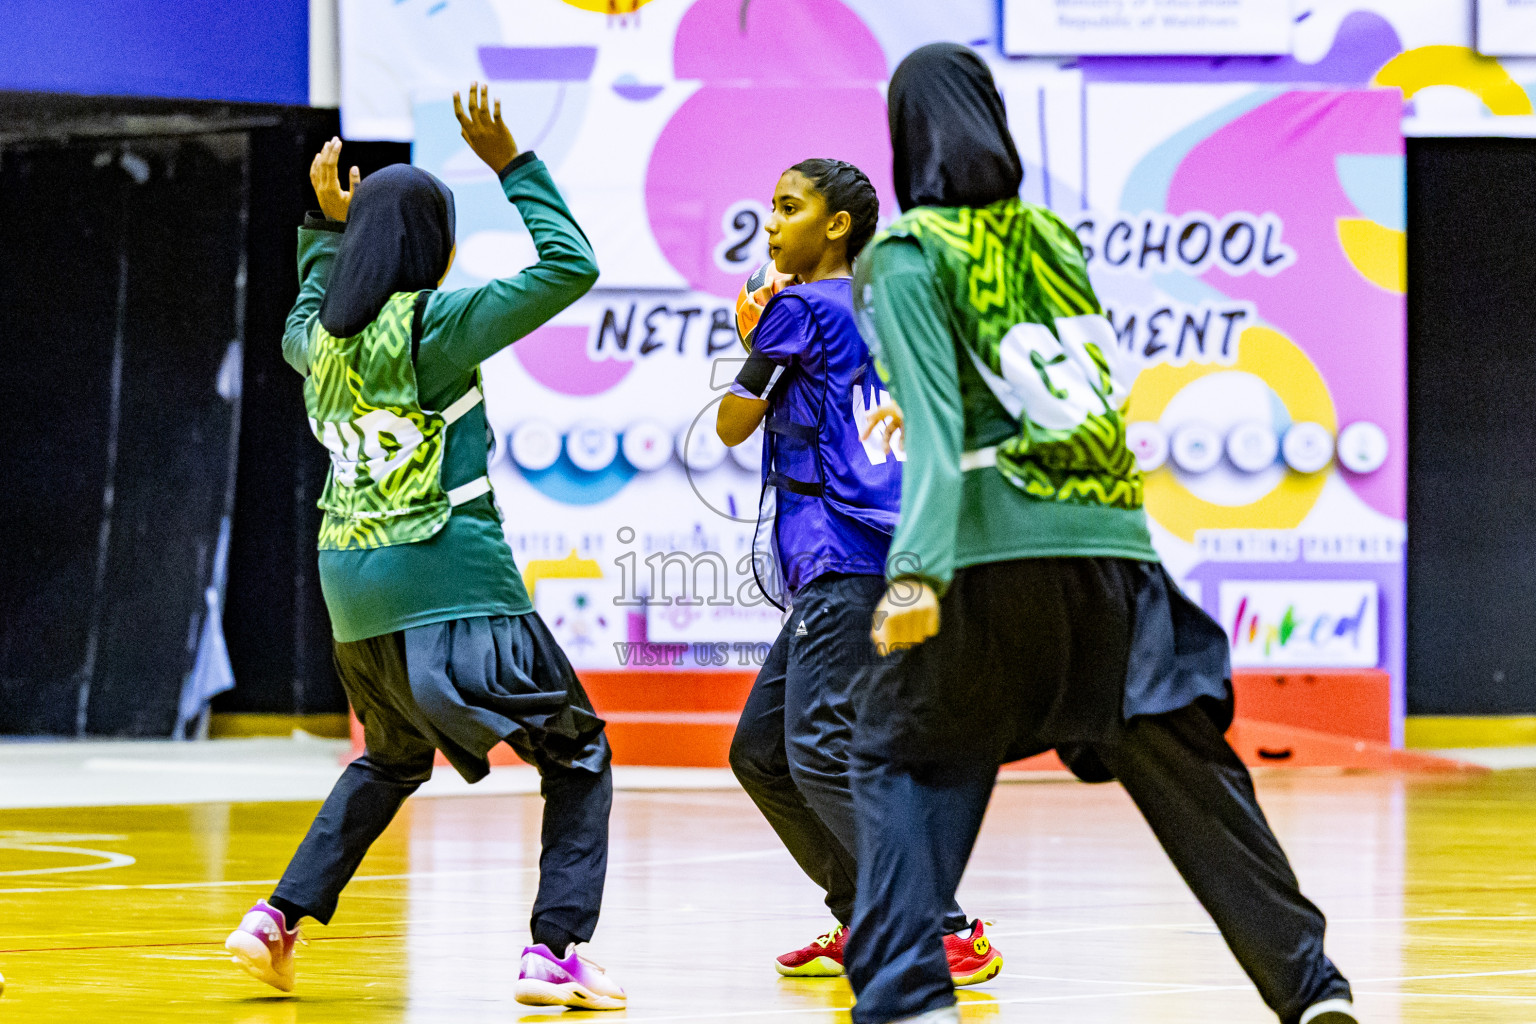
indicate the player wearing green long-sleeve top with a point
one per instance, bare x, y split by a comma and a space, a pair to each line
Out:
1026, 609
466, 569
436, 642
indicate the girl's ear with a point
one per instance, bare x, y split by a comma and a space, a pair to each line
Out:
839, 225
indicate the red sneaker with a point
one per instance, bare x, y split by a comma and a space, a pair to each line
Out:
823, 958
972, 957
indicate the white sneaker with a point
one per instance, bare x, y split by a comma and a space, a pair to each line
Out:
1330, 1011
544, 979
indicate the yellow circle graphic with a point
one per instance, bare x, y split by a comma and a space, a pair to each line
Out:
1274, 359
609, 6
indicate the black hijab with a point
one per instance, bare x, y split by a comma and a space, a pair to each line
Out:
399, 238
949, 131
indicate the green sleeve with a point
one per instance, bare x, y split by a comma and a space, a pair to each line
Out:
464, 327
318, 242
918, 354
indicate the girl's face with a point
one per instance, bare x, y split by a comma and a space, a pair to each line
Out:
800, 230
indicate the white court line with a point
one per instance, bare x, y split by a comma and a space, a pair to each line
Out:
1360, 981
1332, 922
964, 1004
1447, 995
406, 876
1027, 1000
49, 842
1449, 977
1092, 981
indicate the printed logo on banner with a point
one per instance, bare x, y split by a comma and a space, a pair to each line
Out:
1312, 624
583, 618
729, 624
1071, 27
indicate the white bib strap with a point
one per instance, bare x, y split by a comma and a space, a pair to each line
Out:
471, 398
981, 458
470, 491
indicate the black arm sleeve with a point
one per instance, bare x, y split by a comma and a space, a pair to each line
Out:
758, 377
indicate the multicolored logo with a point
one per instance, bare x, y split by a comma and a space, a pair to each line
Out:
1314, 624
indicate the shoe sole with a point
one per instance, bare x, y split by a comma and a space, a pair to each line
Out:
532, 992
989, 970
821, 967
253, 954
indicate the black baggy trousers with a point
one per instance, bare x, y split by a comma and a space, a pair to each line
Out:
504, 675
792, 743
1016, 641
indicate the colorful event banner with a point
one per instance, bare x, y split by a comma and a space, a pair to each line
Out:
1243, 220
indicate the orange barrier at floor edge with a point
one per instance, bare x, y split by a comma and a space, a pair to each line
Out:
702, 739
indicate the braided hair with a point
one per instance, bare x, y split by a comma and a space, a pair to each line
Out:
846, 189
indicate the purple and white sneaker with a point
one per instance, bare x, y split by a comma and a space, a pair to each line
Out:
263, 945
544, 979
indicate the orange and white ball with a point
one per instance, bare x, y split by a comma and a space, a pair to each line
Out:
764, 283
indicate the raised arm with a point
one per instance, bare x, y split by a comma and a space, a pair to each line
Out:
319, 239
465, 327
469, 325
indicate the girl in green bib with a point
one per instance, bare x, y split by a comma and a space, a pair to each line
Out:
436, 641
1027, 609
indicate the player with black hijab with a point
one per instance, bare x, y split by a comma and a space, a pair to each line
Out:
436, 641
1026, 608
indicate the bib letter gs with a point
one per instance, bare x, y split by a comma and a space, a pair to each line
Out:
385, 485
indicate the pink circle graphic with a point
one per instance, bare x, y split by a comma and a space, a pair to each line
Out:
556, 357
801, 81
1282, 157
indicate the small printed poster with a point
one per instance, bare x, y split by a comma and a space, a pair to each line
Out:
1147, 27
1506, 28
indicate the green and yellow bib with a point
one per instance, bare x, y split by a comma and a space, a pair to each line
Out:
1022, 308
386, 451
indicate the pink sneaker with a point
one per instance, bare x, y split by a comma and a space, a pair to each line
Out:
263, 945
546, 980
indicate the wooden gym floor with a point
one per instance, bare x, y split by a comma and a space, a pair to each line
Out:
118, 914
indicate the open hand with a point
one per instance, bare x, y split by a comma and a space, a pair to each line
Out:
907, 615
334, 203
888, 419
483, 128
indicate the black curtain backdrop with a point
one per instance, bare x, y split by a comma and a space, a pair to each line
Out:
274, 618
1471, 426
120, 276
138, 240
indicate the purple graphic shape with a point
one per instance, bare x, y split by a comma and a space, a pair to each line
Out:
1281, 158
1364, 42
802, 83
556, 357
538, 63
636, 92
799, 42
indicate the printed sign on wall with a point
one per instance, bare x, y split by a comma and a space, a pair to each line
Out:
1506, 28
1208, 27
1243, 220
1302, 625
